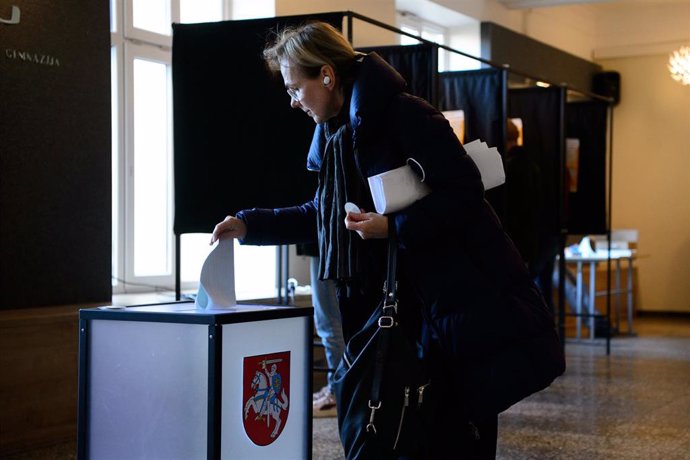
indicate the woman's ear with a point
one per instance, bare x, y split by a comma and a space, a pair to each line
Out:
327, 76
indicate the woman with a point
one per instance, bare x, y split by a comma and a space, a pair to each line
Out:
454, 260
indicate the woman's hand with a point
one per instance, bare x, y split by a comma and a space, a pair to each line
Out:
367, 224
231, 227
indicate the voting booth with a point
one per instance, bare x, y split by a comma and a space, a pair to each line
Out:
172, 381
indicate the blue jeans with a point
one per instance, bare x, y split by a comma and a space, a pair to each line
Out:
327, 318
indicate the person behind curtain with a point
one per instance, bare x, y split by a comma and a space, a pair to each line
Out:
524, 216
523, 196
328, 328
454, 259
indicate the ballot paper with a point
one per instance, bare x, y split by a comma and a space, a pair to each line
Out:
396, 189
217, 280
488, 161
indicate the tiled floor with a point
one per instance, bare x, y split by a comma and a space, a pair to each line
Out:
632, 404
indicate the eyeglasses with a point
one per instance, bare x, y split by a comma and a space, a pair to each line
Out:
295, 93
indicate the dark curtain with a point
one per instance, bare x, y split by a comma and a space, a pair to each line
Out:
539, 110
238, 144
480, 94
417, 64
585, 211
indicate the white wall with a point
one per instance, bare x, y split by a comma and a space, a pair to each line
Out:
644, 29
467, 39
364, 34
651, 145
569, 28
651, 183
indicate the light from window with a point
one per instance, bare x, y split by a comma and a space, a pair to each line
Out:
250, 9
405, 40
433, 36
193, 11
255, 272
115, 160
194, 250
113, 15
255, 266
426, 33
151, 169
152, 15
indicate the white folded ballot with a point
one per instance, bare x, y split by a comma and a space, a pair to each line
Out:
398, 188
488, 161
217, 280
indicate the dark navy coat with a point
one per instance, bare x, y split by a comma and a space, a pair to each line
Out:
465, 271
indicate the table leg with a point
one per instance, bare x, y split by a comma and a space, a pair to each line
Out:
618, 295
592, 296
578, 303
630, 297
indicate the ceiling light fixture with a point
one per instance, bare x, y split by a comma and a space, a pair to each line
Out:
679, 65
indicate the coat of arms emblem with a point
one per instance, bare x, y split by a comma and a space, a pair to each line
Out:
265, 396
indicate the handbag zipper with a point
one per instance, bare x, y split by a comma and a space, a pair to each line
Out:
402, 416
420, 394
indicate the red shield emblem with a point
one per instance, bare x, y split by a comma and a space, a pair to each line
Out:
266, 396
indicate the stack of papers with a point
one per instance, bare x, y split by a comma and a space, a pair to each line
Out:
217, 280
489, 162
398, 188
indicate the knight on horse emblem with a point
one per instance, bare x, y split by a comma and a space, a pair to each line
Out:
265, 396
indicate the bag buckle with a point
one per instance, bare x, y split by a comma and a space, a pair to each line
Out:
370, 426
386, 322
388, 306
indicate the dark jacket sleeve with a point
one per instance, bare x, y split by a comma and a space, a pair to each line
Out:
457, 191
291, 225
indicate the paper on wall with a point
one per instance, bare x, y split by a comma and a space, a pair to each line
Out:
217, 280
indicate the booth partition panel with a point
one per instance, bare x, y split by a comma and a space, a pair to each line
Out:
585, 131
238, 143
417, 64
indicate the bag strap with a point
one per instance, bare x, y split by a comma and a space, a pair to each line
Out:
387, 321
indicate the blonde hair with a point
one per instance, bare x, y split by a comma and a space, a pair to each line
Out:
310, 47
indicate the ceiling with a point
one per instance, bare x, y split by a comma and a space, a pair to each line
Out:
444, 16
520, 4
434, 12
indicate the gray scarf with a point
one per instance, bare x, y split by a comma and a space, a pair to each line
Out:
339, 182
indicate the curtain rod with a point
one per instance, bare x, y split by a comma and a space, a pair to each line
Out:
383, 25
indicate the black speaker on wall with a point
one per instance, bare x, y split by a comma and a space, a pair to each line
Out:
607, 84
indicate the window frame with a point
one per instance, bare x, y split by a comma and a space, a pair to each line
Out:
422, 26
127, 44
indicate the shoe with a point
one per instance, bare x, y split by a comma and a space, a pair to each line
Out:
325, 407
321, 393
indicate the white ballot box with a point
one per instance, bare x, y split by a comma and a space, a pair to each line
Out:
170, 381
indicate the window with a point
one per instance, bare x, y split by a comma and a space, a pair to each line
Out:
427, 30
143, 241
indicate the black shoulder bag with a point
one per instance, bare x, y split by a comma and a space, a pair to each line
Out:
380, 384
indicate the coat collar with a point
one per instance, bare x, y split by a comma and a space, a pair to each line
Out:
376, 83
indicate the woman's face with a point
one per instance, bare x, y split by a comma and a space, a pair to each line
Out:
318, 97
